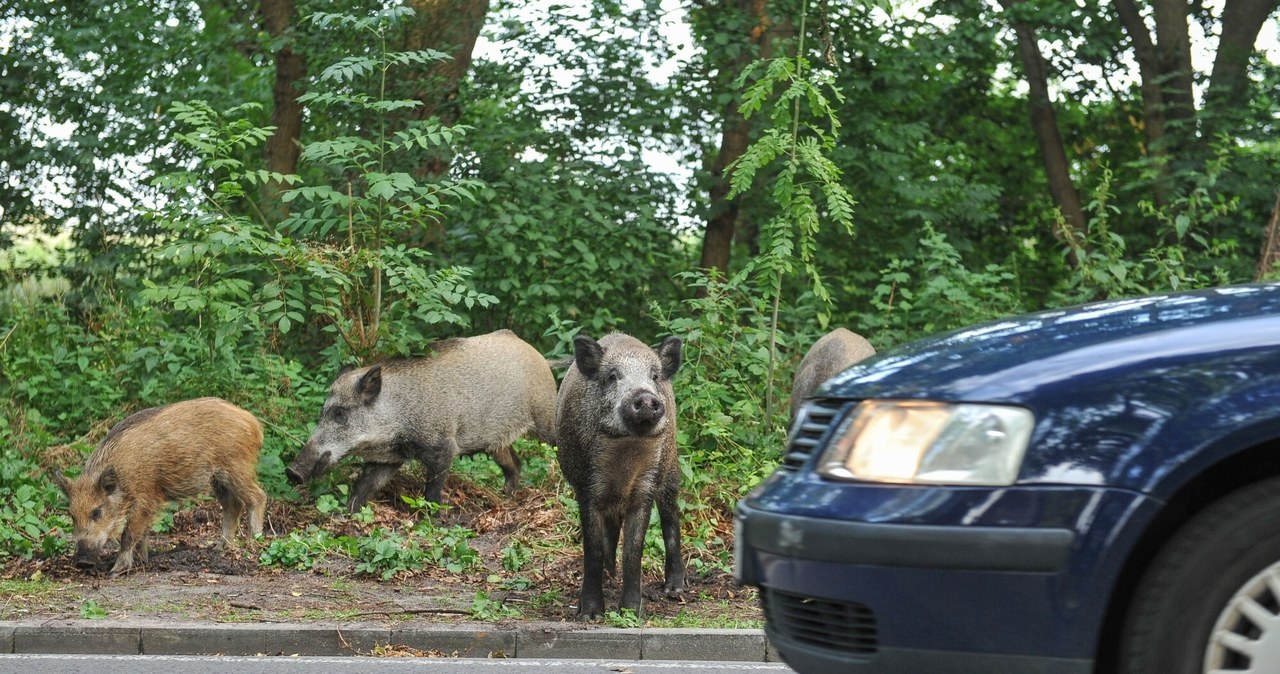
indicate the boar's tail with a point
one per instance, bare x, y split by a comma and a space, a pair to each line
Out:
560, 363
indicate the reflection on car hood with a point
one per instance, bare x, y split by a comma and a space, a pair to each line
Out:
1009, 360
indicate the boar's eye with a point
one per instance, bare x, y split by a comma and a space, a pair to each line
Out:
96, 514
612, 377
340, 416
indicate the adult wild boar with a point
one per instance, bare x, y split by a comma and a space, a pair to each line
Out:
616, 423
473, 394
164, 454
832, 353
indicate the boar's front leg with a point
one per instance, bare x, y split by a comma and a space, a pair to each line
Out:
372, 477
612, 530
669, 516
134, 538
591, 600
634, 527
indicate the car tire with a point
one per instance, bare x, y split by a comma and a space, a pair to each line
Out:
1210, 600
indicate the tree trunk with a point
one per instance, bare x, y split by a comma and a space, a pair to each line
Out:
1173, 57
1228, 85
1045, 124
735, 135
282, 148
1153, 122
452, 27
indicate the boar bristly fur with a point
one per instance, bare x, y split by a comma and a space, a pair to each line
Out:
473, 394
158, 455
616, 422
831, 354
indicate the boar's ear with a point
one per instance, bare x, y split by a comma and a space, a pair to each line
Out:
108, 480
587, 354
670, 353
63, 483
345, 369
370, 385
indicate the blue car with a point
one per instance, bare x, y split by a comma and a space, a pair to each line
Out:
1089, 490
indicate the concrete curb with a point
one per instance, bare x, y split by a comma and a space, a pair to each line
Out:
476, 641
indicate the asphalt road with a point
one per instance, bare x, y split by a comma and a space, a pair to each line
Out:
192, 664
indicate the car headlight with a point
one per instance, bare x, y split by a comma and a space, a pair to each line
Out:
915, 441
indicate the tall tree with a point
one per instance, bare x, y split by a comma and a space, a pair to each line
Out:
452, 27
1242, 21
282, 148
1044, 121
735, 32
1165, 68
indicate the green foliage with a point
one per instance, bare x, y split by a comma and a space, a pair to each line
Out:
301, 550
807, 173
1186, 259
625, 617
934, 290
91, 610
340, 259
722, 423
387, 553
30, 519
485, 608
448, 547
515, 555
727, 442
546, 598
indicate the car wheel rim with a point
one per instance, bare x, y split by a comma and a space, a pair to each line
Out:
1246, 637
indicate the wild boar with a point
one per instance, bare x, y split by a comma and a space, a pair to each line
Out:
158, 455
473, 394
832, 353
616, 424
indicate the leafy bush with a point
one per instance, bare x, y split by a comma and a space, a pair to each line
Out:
934, 290
301, 550
387, 553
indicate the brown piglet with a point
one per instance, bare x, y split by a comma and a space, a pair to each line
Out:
158, 455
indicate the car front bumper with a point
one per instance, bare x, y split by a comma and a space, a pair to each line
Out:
934, 579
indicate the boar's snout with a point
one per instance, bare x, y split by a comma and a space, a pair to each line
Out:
642, 412
86, 558
306, 465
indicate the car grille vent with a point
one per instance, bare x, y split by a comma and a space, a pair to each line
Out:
812, 423
846, 627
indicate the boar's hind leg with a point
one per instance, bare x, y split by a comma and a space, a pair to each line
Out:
256, 500
372, 477
236, 493
231, 507
669, 516
510, 464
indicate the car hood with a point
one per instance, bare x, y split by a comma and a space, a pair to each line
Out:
1019, 359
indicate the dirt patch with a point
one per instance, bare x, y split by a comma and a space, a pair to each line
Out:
188, 578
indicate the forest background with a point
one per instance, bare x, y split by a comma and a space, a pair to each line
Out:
236, 198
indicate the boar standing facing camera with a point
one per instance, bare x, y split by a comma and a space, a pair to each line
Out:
158, 455
831, 354
616, 422
473, 394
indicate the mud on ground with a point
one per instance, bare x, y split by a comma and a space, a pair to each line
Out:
187, 578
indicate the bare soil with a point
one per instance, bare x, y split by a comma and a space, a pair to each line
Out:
188, 578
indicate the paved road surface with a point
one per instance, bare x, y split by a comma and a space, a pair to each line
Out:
192, 664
